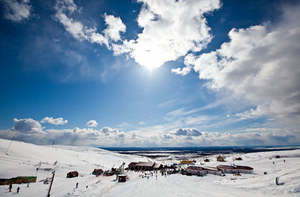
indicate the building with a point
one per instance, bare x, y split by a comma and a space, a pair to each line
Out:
235, 169
72, 174
212, 170
220, 158
122, 178
196, 170
238, 159
97, 172
157, 166
141, 165
206, 160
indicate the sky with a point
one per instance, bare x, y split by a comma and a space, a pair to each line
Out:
150, 73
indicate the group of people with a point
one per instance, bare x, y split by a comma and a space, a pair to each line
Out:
10, 188
18, 188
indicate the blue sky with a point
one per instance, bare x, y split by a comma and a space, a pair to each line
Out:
150, 73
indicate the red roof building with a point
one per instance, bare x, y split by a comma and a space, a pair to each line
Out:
235, 169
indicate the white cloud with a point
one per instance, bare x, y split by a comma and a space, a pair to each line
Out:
186, 132
27, 125
54, 121
29, 130
65, 9
260, 63
109, 130
170, 30
114, 27
17, 10
92, 123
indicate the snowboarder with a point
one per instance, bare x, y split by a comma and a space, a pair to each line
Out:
18, 189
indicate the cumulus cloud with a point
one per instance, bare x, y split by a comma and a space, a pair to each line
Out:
170, 30
27, 125
54, 121
16, 10
109, 131
186, 132
92, 123
259, 63
65, 9
114, 27
30, 130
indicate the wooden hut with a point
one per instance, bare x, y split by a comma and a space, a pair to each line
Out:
122, 178
72, 174
97, 172
220, 158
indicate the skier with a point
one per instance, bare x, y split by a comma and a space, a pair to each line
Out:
76, 185
10, 187
18, 189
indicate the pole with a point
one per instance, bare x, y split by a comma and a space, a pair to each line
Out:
53, 174
10, 143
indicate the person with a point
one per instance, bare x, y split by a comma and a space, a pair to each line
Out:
18, 189
76, 185
27, 184
10, 187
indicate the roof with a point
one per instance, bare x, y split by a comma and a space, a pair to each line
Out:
73, 172
195, 168
141, 164
132, 164
234, 167
145, 164
186, 162
210, 169
156, 165
98, 170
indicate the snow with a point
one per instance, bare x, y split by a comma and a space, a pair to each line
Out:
23, 159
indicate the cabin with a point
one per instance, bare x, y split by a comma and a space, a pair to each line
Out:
196, 170
220, 158
235, 169
72, 174
97, 172
122, 178
146, 166
238, 159
206, 160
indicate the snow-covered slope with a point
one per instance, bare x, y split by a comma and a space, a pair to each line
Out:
23, 159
